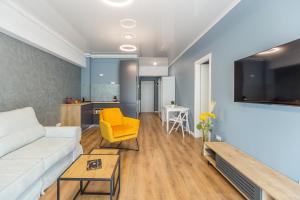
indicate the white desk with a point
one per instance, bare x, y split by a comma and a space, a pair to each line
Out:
166, 113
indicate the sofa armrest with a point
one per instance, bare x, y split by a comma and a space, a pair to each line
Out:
64, 132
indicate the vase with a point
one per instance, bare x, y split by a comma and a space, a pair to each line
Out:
206, 136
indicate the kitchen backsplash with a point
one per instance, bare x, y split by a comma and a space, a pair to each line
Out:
104, 92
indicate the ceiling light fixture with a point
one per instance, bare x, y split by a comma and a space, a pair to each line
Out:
129, 36
128, 48
118, 3
155, 63
128, 23
270, 51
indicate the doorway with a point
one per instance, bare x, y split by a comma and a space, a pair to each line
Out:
147, 96
202, 88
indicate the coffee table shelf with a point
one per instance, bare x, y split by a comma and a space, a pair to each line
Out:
78, 172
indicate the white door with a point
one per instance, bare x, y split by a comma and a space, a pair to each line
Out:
159, 96
147, 96
167, 93
204, 88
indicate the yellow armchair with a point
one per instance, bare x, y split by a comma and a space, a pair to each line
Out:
114, 127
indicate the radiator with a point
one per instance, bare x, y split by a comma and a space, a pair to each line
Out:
247, 187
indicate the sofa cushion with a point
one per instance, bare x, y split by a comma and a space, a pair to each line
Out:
113, 116
33, 192
51, 174
18, 128
122, 130
18, 174
50, 150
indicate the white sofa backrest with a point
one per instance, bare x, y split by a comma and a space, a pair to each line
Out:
18, 128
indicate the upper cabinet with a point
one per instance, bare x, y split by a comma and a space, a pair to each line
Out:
154, 67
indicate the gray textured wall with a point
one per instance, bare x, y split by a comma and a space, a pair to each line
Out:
31, 77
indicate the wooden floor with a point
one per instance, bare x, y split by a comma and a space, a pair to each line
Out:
167, 167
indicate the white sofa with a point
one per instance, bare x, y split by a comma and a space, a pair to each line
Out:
33, 156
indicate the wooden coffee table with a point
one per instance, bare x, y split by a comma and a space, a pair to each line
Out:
78, 172
104, 151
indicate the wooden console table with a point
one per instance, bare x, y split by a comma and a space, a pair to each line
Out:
246, 174
83, 114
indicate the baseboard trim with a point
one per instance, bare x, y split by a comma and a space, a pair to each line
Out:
194, 135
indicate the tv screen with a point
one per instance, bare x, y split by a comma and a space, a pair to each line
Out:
269, 77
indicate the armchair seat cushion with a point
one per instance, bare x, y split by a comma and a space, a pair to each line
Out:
123, 130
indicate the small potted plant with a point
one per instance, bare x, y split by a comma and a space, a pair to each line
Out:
172, 104
115, 99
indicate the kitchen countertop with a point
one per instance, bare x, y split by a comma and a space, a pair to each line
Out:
86, 103
105, 102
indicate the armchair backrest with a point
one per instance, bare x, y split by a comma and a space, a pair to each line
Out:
113, 116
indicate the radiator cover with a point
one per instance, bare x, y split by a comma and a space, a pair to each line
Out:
246, 186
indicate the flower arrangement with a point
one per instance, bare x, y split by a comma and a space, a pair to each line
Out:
206, 123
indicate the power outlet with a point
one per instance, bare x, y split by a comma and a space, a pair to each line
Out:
218, 138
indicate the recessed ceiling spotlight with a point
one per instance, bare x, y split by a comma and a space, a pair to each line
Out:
129, 36
270, 51
128, 23
128, 48
154, 63
117, 3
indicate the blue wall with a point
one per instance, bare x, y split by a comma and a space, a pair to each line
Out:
100, 88
108, 67
270, 133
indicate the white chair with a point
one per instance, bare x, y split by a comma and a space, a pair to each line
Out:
179, 120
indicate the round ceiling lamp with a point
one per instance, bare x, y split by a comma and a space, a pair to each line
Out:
118, 3
129, 36
128, 48
128, 23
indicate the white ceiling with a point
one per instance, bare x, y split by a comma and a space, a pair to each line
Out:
165, 28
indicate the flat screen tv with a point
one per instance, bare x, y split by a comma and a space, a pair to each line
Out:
269, 77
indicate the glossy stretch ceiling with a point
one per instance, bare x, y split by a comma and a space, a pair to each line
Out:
164, 28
